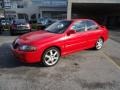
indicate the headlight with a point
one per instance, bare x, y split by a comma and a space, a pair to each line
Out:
27, 48
16, 41
28, 26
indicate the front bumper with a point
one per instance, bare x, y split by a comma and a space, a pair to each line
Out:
26, 57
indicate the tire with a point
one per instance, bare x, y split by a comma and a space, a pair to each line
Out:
0, 31
12, 33
30, 30
51, 57
99, 44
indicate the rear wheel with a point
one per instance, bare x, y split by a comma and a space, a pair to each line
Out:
12, 32
51, 57
1, 29
30, 30
99, 44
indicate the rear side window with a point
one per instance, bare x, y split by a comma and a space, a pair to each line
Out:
91, 25
79, 26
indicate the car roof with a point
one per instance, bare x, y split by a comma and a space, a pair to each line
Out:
77, 19
81, 19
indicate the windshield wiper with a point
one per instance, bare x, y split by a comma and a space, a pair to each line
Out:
50, 31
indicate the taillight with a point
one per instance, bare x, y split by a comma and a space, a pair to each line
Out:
104, 27
106, 32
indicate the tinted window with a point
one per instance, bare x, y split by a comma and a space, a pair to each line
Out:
20, 21
42, 20
59, 26
91, 25
79, 26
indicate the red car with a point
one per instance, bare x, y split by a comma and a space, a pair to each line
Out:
59, 39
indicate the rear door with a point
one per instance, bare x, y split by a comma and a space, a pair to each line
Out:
93, 32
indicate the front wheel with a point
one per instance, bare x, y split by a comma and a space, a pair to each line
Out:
12, 33
99, 44
51, 57
0, 31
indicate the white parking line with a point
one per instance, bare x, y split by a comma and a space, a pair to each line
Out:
110, 59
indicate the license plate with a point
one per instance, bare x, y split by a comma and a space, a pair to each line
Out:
20, 28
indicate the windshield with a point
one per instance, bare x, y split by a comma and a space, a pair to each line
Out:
42, 21
58, 27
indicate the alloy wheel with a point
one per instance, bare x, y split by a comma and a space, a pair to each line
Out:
51, 57
99, 44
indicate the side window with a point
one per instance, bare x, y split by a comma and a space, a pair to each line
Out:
79, 26
91, 25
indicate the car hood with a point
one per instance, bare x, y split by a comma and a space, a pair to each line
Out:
36, 36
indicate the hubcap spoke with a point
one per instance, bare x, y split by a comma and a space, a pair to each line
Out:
99, 44
55, 58
55, 53
47, 56
49, 61
51, 52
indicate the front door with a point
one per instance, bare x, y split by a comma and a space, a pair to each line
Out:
77, 41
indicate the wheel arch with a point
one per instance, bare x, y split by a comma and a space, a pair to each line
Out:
43, 62
54, 46
102, 38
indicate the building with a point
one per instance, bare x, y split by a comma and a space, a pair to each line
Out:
1, 4
104, 11
51, 8
22, 9
1, 9
33, 9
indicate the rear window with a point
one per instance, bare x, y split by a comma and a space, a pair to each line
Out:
20, 21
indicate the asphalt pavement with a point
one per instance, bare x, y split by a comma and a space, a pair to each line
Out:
85, 70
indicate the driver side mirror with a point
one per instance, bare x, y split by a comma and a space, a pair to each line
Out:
71, 32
